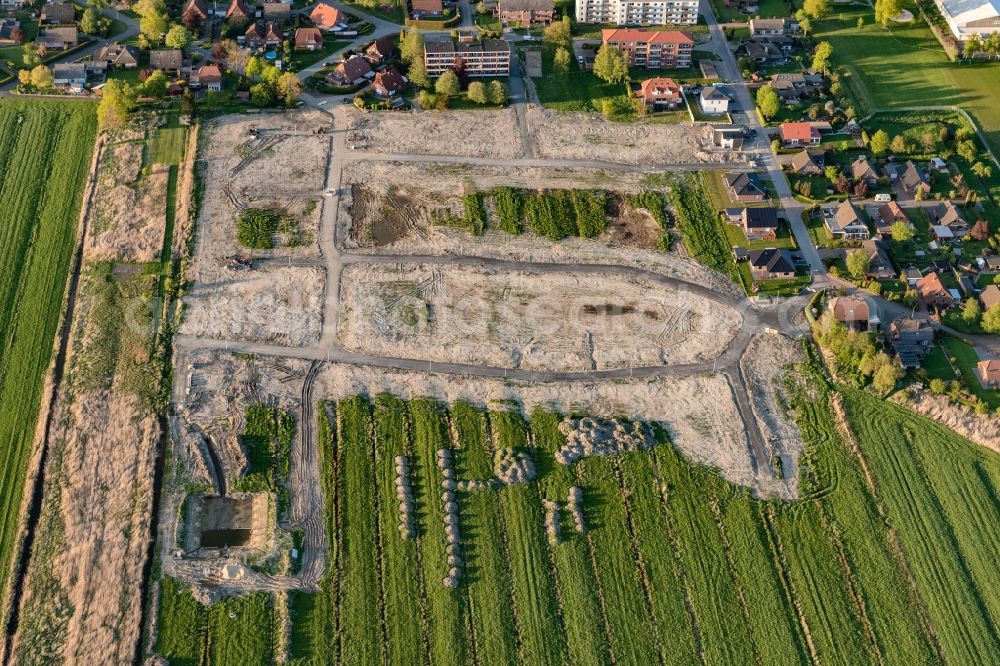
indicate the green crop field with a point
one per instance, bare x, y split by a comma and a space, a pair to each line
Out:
45, 151
888, 556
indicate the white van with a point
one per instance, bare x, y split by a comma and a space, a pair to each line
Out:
883, 197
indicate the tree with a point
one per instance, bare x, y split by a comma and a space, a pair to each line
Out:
426, 99
880, 142
153, 25
775, 146
254, 67
90, 22
886, 10
991, 319
861, 22
288, 87
805, 25
418, 74
980, 230
971, 311
498, 92
24, 77
982, 170
261, 94
821, 57
557, 33
411, 47
885, 378
29, 56
269, 74
816, 8
561, 61
973, 45
832, 172
481, 7
768, 102
478, 92
41, 77
155, 85
610, 64
117, 101
447, 84
902, 232
900, 145
857, 263
178, 37
966, 150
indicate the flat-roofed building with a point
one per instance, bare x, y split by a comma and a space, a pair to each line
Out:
490, 57
661, 49
638, 12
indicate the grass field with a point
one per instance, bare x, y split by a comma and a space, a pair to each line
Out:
45, 151
882, 559
167, 143
909, 68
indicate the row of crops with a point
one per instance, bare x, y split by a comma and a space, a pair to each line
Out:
888, 557
45, 152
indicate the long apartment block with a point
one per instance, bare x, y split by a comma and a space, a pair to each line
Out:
661, 49
486, 58
638, 12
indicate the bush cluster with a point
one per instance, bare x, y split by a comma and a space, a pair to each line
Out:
255, 228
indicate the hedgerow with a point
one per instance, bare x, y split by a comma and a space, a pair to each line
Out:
509, 202
475, 213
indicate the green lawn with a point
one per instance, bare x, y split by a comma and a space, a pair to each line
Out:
908, 67
735, 236
966, 359
303, 59
167, 144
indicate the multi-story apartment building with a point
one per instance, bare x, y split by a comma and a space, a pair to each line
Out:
489, 57
661, 49
638, 12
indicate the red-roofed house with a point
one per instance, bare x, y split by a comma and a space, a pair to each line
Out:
239, 12
389, 82
798, 134
663, 49
260, 36
989, 372
308, 39
660, 94
326, 17
933, 291
195, 13
209, 76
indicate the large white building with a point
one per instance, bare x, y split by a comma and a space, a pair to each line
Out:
639, 12
971, 17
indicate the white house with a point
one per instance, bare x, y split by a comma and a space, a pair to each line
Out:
713, 100
638, 12
970, 17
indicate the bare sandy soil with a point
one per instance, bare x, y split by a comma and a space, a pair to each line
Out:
981, 429
530, 321
281, 305
591, 137
479, 133
130, 208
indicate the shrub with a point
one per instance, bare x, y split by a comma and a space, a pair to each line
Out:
255, 228
510, 208
475, 213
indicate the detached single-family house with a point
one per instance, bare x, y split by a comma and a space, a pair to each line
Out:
852, 311
942, 233
765, 53
914, 178
879, 265
427, 6
912, 275
798, 134
845, 223
911, 339
209, 76
744, 186
380, 50
660, 94
888, 215
988, 371
388, 82
771, 264
325, 17
261, 35
118, 56
11, 33
308, 39
772, 27
57, 13
354, 70
989, 264
713, 100
70, 76
808, 163
933, 292
57, 39
862, 171
276, 10
168, 60
989, 297
239, 12
727, 136
947, 214
525, 12
759, 223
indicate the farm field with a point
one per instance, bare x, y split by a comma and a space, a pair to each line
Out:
45, 152
881, 560
909, 68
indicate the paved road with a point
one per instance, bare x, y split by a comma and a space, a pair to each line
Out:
792, 208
